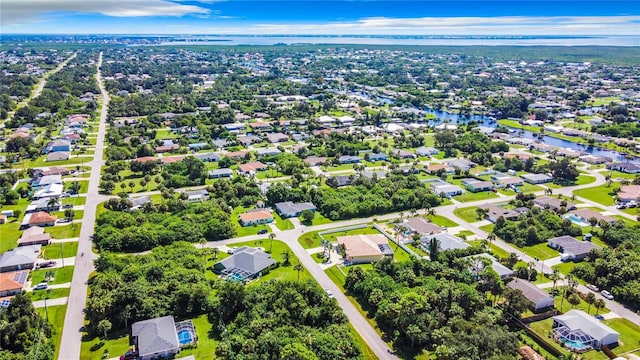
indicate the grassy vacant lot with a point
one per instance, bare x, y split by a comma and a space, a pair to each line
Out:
540, 251
116, 344
64, 231
600, 194
282, 224
68, 249
74, 200
467, 214
442, 221
60, 275
9, 233
310, 240
48, 294
469, 196
318, 219
55, 314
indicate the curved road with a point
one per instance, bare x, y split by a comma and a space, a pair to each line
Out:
74, 319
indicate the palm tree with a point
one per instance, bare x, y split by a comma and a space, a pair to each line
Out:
271, 237
299, 268
599, 304
52, 203
430, 212
555, 276
75, 188
215, 252
590, 299
491, 237
286, 257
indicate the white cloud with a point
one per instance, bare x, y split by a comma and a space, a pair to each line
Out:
505, 25
24, 11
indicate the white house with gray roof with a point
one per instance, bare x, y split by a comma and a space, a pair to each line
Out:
289, 209
245, 263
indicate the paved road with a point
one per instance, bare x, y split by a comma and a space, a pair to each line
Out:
41, 85
74, 319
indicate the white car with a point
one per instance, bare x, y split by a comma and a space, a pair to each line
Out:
593, 288
329, 293
41, 286
606, 294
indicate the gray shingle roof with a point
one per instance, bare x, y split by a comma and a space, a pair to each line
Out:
156, 335
249, 260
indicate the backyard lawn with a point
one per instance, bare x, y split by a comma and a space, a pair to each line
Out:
60, 275
282, 224
53, 251
600, 194
116, 344
48, 294
206, 345
64, 231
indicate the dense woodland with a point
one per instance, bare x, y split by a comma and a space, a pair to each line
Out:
427, 305
25, 334
280, 320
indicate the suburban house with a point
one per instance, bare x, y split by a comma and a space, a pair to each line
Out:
446, 240
362, 249
340, 180
625, 167
251, 168
349, 159
288, 209
629, 193
138, 202
583, 215
12, 283
539, 298
503, 180
402, 154
3, 219
39, 218
197, 195
494, 212
571, 248
315, 160
426, 151
435, 168
502, 271
373, 157
272, 151
42, 205
245, 263
277, 137
167, 145
34, 236
46, 180
443, 188
208, 157
58, 156
475, 185
248, 140
56, 170
576, 324
220, 173
254, 217
462, 164
58, 145
155, 338
260, 126
20, 258
553, 203
49, 191
537, 178
420, 226
197, 146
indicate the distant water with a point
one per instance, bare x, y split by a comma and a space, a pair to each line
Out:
409, 40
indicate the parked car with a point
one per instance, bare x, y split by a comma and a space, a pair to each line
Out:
232, 250
632, 204
593, 288
621, 206
67, 206
41, 286
329, 293
607, 295
47, 264
262, 232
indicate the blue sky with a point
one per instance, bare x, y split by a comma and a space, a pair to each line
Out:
515, 17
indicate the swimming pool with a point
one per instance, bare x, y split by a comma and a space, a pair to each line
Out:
576, 220
184, 337
576, 345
